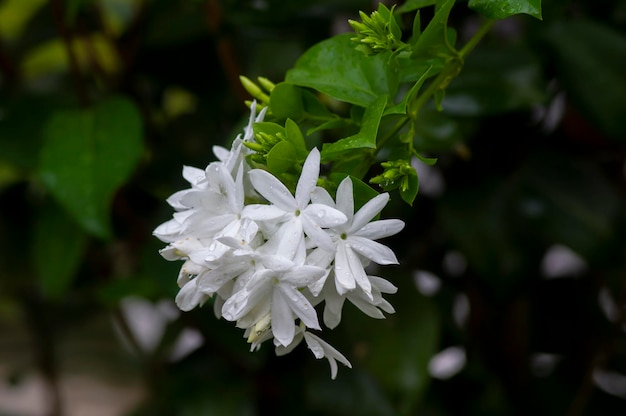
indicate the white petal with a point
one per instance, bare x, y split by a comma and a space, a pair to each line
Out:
193, 175
372, 250
302, 276
380, 229
288, 240
333, 305
221, 153
272, 189
345, 198
189, 296
282, 350
319, 237
321, 196
383, 285
325, 216
176, 199
308, 178
283, 326
168, 231
314, 343
299, 304
258, 212
365, 305
343, 276
368, 211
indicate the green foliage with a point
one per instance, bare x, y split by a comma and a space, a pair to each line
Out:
335, 68
501, 9
87, 155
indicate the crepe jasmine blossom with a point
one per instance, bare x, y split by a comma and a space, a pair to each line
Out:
353, 241
265, 257
275, 292
300, 216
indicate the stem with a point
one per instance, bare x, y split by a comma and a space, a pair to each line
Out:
480, 33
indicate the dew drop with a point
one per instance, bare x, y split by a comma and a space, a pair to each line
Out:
321, 214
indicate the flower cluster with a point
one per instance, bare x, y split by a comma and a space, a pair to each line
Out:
267, 265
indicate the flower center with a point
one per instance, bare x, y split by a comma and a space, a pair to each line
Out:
344, 236
297, 213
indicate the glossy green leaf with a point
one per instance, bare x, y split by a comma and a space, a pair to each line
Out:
295, 137
281, 158
411, 5
501, 9
591, 66
286, 101
408, 195
433, 42
58, 247
365, 138
87, 155
335, 68
401, 107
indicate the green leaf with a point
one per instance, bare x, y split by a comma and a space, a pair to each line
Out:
335, 68
501, 9
295, 137
591, 65
408, 195
87, 155
286, 101
412, 5
401, 107
433, 42
281, 158
365, 138
58, 247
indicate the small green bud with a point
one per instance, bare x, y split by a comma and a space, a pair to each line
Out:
254, 90
378, 32
395, 175
266, 83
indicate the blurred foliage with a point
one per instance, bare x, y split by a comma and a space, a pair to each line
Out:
103, 101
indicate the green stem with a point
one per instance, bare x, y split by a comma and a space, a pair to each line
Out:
452, 69
471, 44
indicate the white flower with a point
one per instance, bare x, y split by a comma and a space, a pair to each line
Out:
353, 240
276, 293
300, 217
266, 266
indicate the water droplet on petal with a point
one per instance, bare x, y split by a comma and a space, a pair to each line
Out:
321, 214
